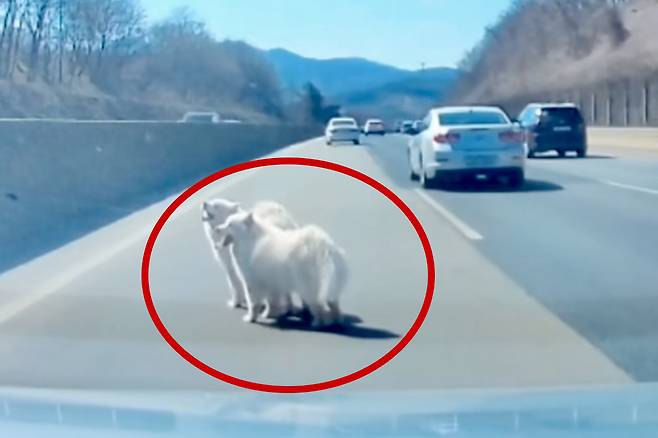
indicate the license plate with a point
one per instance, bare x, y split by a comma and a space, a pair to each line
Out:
480, 160
562, 129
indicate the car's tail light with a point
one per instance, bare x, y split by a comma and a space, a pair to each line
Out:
511, 137
450, 138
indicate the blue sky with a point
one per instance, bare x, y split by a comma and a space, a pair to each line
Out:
404, 33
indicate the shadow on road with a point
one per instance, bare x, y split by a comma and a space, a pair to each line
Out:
346, 144
351, 328
530, 185
362, 144
573, 157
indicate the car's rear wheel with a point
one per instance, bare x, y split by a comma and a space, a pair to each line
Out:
356, 142
516, 179
412, 175
582, 153
425, 181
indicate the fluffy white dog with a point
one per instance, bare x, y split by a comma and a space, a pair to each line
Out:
276, 261
215, 212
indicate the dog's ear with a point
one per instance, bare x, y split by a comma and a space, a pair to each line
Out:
205, 212
249, 219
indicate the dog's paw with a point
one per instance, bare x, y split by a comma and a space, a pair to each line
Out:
318, 324
339, 322
249, 318
236, 304
303, 313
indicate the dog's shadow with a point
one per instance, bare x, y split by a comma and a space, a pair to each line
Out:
351, 327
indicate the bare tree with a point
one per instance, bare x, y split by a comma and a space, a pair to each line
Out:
12, 11
525, 37
13, 48
37, 19
105, 45
93, 28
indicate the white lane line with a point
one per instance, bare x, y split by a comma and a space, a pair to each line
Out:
13, 308
57, 282
630, 187
463, 228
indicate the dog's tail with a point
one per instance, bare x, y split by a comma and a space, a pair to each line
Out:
328, 262
334, 273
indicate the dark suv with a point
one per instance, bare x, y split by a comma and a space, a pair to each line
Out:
554, 127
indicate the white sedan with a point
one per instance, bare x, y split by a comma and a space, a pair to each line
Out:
201, 117
374, 127
342, 129
461, 142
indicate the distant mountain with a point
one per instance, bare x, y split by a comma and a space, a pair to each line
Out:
363, 86
409, 97
332, 76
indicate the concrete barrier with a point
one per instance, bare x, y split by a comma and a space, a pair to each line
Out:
60, 180
638, 138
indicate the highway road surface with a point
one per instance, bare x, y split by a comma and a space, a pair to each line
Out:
552, 285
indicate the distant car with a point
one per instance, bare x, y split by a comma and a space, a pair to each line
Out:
201, 117
462, 142
417, 126
342, 129
407, 127
554, 127
374, 127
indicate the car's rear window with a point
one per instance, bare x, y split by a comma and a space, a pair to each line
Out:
472, 118
561, 116
344, 123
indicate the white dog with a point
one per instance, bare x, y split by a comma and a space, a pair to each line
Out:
216, 212
275, 262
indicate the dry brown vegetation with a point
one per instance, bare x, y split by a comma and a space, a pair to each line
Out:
541, 46
99, 59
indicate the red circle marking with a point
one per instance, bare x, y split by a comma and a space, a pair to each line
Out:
289, 161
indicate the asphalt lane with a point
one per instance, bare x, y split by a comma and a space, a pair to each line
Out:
581, 237
75, 318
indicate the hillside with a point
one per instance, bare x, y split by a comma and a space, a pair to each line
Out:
41, 100
537, 48
136, 71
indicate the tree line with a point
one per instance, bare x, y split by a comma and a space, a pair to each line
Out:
56, 40
109, 46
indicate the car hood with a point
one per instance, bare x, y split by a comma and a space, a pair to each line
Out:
602, 412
